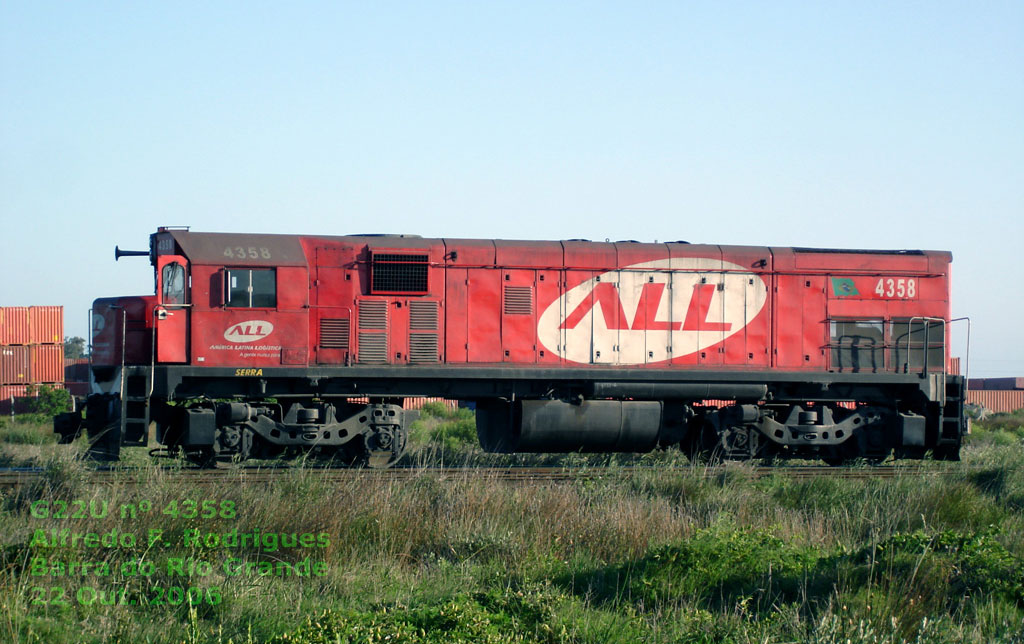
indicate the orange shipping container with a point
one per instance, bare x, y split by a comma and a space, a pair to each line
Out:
15, 325
15, 365
997, 401
47, 324
13, 391
417, 403
954, 366
47, 363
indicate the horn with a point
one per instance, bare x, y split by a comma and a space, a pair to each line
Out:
118, 253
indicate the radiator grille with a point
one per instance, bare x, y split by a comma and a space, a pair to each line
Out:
373, 314
518, 300
422, 348
399, 273
334, 333
373, 347
423, 316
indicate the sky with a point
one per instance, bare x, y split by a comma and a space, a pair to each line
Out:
840, 124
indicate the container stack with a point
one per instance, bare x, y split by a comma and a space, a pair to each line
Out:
997, 395
31, 352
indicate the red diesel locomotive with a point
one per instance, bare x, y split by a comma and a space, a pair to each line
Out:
256, 344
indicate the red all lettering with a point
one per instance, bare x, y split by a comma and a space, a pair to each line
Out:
238, 330
607, 295
650, 300
700, 307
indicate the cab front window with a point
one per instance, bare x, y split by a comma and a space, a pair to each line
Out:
251, 288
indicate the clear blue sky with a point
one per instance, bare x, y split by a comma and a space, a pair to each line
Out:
860, 124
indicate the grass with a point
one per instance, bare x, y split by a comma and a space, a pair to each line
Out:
658, 555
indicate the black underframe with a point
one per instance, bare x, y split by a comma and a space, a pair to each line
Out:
475, 383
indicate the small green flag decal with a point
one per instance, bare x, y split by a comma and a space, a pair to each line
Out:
843, 287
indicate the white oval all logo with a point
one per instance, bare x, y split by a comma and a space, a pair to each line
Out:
652, 312
248, 331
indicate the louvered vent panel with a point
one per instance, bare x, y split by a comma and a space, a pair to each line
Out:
423, 316
518, 300
373, 347
334, 333
422, 348
373, 314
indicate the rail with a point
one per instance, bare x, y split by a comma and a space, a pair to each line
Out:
23, 477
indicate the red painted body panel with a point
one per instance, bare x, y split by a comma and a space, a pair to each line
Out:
569, 303
122, 323
171, 318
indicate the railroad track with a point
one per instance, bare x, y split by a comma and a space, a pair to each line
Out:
19, 477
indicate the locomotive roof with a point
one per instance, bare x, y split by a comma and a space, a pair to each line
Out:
213, 248
287, 250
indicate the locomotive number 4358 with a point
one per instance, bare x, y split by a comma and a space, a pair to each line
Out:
902, 288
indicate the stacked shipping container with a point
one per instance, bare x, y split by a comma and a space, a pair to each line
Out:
31, 350
1000, 395
76, 376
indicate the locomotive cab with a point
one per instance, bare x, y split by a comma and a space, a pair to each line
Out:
212, 359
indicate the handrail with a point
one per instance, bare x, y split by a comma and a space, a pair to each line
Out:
967, 358
927, 346
889, 343
927, 341
124, 345
91, 332
152, 352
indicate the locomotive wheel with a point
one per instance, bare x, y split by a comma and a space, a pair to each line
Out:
703, 445
738, 443
385, 446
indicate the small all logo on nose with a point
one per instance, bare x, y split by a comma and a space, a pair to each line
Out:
248, 331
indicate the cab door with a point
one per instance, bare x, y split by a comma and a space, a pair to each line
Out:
172, 311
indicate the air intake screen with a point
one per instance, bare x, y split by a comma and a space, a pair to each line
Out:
423, 316
373, 314
334, 333
399, 273
373, 347
518, 300
422, 348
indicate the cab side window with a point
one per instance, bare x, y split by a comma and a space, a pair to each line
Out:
857, 345
251, 288
173, 279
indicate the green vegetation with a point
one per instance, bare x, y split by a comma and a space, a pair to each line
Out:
75, 347
451, 431
48, 401
662, 554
